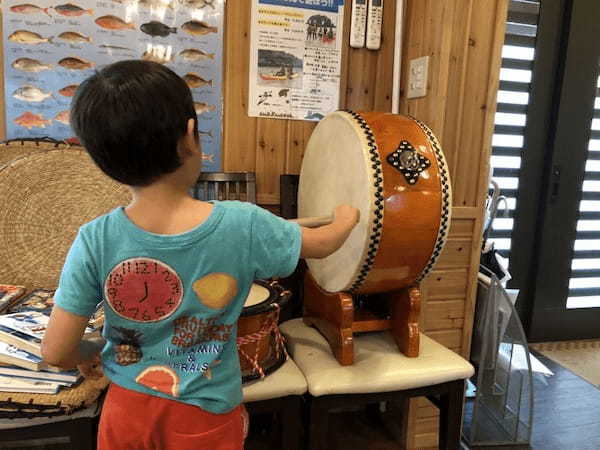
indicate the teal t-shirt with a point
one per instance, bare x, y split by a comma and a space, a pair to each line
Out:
172, 302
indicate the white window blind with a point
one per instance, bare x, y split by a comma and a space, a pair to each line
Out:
584, 283
508, 145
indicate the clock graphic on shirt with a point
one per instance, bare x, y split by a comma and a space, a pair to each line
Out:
143, 290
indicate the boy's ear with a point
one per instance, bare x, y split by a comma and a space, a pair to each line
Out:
191, 129
188, 144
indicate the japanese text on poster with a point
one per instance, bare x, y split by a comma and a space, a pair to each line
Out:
295, 58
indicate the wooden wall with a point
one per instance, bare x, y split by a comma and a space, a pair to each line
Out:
464, 39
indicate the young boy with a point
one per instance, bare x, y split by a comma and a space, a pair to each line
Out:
173, 272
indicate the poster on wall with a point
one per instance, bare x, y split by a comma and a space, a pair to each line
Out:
51, 47
295, 58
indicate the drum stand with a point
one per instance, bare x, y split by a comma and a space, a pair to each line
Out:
335, 316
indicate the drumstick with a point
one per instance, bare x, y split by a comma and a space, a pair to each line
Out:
313, 222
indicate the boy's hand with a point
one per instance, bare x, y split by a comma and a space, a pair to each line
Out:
346, 214
92, 368
323, 241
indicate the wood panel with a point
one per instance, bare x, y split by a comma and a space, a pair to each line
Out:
462, 227
239, 130
446, 284
269, 159
456, 253
444, 314
463, 39
298, 134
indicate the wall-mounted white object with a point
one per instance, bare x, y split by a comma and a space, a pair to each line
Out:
399, 29
374, 22
358, 26
417, 77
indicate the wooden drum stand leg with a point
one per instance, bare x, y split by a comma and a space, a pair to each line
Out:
332, 314
405, 307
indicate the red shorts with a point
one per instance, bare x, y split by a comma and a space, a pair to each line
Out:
132, 420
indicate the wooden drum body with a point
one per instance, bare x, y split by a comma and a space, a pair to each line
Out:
260, 344
390, 167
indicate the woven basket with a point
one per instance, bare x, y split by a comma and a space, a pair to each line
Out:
17, 148
46, 196
66, 401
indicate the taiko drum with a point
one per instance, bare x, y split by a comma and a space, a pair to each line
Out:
392, 168
261, 347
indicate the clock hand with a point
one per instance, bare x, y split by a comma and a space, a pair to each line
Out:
146, 292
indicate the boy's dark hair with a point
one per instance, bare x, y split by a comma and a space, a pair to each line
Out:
129, 116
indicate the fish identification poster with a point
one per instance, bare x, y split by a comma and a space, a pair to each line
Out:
51, 46
295, 58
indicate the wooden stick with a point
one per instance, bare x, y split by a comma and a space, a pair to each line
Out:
313, 222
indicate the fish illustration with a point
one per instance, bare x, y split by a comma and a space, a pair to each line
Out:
205, 133
29, 120
314, 116
192, 54
201, 108
28, 93
28, 8
199, 4
156, 28
30, 65
71, 10
156, 56
73, 140
114, 23
63, 117
69, 91
156, 3
208, 157
73, 63
194, 80
148, 3
198, 28
115, 47
28, 37
73, 36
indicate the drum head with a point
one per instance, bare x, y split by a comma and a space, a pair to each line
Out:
334, 172
258, 294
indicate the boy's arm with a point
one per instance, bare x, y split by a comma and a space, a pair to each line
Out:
323, 241
62, 345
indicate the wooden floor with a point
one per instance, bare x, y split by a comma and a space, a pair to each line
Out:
566, 417
566, 412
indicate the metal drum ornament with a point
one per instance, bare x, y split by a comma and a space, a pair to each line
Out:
392, 168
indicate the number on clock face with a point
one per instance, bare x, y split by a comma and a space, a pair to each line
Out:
143, 289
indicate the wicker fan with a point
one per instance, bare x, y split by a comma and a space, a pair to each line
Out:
46, 196
17, 148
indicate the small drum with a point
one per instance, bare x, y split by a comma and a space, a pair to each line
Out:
391, 168
260, 344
